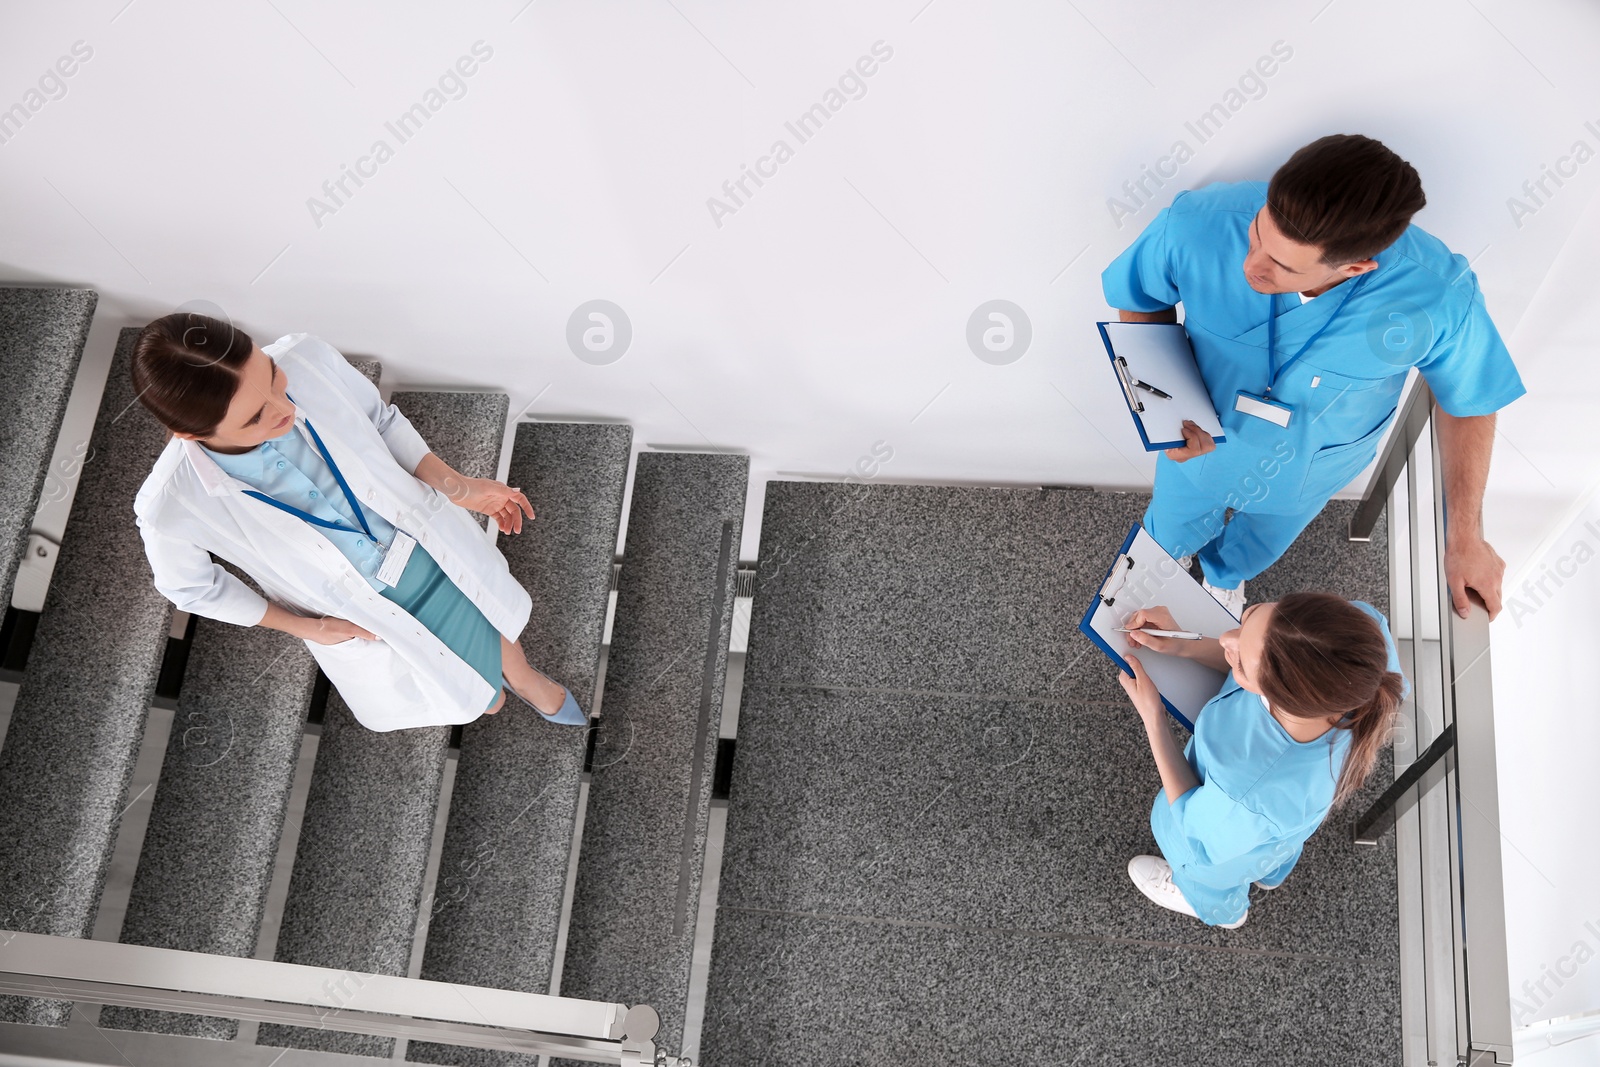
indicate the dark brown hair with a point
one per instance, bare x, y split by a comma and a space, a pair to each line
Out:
186, 368
1322, 657
1347, 194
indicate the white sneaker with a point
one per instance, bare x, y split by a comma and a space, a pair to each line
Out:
1232, 599
1153, 876
1263, 885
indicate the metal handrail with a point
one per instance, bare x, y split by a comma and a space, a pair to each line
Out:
1454, 857
1409, 426
197, 983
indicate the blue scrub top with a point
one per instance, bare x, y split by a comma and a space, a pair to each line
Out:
1419, 308
288, 468
1261, 795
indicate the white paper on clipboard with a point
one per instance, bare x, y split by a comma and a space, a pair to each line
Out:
1144, 576
1159, 354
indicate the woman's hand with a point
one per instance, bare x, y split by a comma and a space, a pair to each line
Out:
1156, 618
1142, 691
332, 630
497, 500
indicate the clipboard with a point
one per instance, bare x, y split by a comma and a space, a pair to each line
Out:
1159, 354
1145, 575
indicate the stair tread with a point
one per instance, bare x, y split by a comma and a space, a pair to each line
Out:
503, 871
80, 709
218, 810
637, 894
42, 334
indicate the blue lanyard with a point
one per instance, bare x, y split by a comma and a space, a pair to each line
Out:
348, 495
1272, 332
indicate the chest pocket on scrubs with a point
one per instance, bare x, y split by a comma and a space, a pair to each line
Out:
1342, 407
1344, 414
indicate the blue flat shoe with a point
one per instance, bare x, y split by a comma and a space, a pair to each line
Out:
569, 714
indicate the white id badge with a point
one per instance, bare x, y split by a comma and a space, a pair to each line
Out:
1262, 408
394, 560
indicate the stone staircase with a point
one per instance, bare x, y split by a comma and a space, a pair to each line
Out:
249, 705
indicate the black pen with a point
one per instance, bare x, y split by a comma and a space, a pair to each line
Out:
1147, 387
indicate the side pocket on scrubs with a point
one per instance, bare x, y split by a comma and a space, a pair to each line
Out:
1332, 468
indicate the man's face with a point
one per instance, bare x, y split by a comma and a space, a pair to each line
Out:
1278, 264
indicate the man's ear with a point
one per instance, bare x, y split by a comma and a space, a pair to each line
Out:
1361, 266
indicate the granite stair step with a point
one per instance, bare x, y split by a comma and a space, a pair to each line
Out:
80, 709
640, 865
514, 806
42, 334
218, 811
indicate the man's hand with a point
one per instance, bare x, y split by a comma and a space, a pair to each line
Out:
1474, 564
1196, 443
497, 500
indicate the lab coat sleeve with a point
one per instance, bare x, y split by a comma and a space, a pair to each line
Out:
1216, 828
186, 575
1141, 279
402, 439
1469, 370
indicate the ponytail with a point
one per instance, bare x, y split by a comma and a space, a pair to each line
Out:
1324, 657
1371, 727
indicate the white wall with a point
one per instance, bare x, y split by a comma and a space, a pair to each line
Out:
829, 311
1547, 717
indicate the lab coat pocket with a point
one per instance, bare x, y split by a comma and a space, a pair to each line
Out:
379, 688
1332, 468
347, 644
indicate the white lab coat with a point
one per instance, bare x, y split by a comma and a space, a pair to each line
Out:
189, 507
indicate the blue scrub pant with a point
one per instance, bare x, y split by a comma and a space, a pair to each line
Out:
1188, 519
1275, 877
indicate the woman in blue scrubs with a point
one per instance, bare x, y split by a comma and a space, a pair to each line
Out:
1314, 683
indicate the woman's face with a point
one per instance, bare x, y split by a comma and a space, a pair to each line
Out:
260, 411
1242, 646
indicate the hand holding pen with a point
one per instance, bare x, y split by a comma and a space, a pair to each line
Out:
1154, 628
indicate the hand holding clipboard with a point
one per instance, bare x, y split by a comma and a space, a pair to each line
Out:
1161, 384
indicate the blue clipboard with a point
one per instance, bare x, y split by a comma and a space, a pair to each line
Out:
1154, 577
1189, 391
1094, 605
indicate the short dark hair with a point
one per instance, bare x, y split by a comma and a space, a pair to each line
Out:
186, 368
1347, 194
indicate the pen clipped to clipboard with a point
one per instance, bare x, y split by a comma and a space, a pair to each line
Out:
1130, 383
1160, 381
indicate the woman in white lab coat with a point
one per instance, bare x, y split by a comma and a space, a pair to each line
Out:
285, 461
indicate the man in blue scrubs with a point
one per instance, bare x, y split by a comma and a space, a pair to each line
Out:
1308, 301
